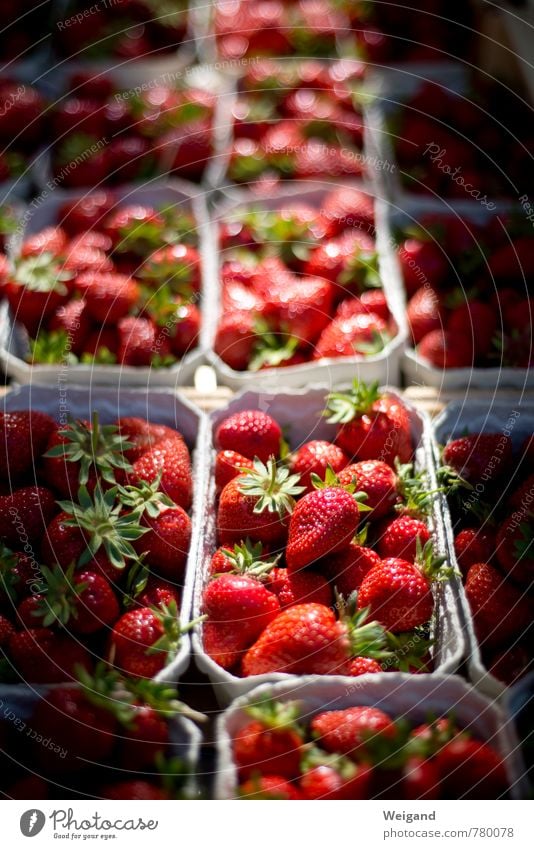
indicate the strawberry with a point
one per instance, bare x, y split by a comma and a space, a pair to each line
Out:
424, 313
342, 780
36, 289
362, 334
85, 731
141, 435
315, 457
362, 666
50, 240
21, 113
423, 262
476, 321
72, 319
24, 515
474, 545
347, 568
176, 266
515, 547
256, 503
479, 457
470, 769
85, 213
348, 207
299, 587
251, 433
420, 779
323, 522
443, 349
23, 438
399, 593
242, 600
170, 459
347, 731
377, 480
108, 296
267, 787
101, 346
235, 339
42, 656
399, 538
139, 341
247, 558
166, 545
155, 591
145, 640
78, 258
223, 643
500, 611
7, 629
228, 465
372, 425
270, 741
78, 115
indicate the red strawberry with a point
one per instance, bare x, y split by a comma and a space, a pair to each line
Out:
244, 601
44, 657
144, 641
515, 546
474, 545
500, 611
372, 425
267, 787
470, 769
72, 319
143, 435
347, 569
7, 629
166, 545
108, 296
139, 341
399, 538
77, 115
81, 729
299, 587
422, 263
156, 592
479, 457
23, 438
443, 349
84, 213
228, 465
323, 522
78, 258
235, 339
362, 334
35, 290
341, 781
80, 162
348, 207
21, 113
223, 643
424, 313
399, 593
347, 731
314, 458
24, 515
420, 779
377, 480
170, 459
247, 558
256, 504
475, 321
251, 433
270, 742
362, 666
51, 240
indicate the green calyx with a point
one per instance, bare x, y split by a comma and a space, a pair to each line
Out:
97, 446
246, 559
51, 347
169, 642
412, 487
367, 639
271, 349
275, 715
343, 407
8, 575
314, 757
41, 273
379, 340
145, 498
332, 480
408, 651
273, 486
431, 565
60, 592
104, 525
361, 270
523, 548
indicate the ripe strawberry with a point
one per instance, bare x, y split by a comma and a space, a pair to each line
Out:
42, 656
348, 207
372, 425
521, 499
500, 611
251, 433
299, 587
79, 258
223, 643
267, 787
73, 320
443, 349
175, 266
474, 545
36, 288
377, 480
476, 321
142, 435
24, 515
133, 228
170, 459
108, 296
144, 641
166, 545
83, 730
101, 345
349, 260
424, 313
347, 569
422, 262
7, 629
362, 666
228, 465
314, 458
347, 731
139, 341
85, 213
362, 334
50, 240
343, 780
256, 504
323, 522
479, 457
235, 339
399, 593
470, 769
247, 558
23, 438
272, 742
515, 546
242, 600
420, 779
400, 536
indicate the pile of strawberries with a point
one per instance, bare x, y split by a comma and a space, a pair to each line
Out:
468, 290
112, 283
491, 499
129, 29
360, 752
294, 27
94, 534
326, 559
108, 737
102, 135
297, 120
22, 127
473, 146
301, 284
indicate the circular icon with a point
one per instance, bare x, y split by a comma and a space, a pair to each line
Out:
32, 822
